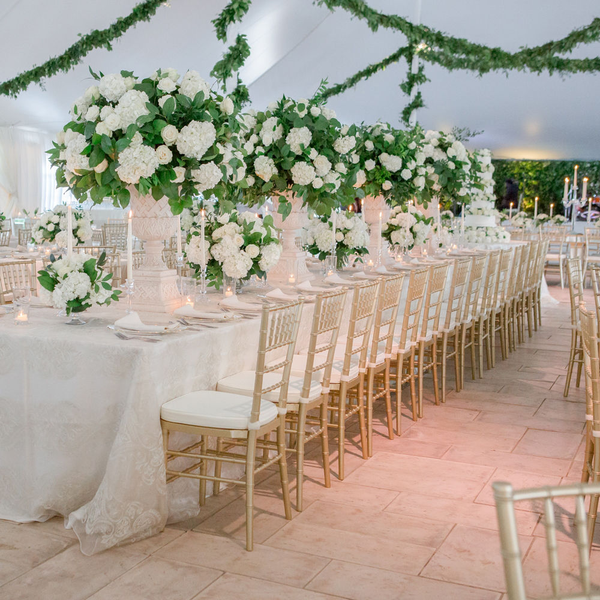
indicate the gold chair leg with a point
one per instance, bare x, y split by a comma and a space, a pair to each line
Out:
250, 462
388, 400
492, 336
413, 391
472, 348
342, 430
479, 327
463, 341
456, 349
436, 392
488, 345
300, 437
420, 374
444, 363
325, 445
203, 470
399, 369
370, 385
218, 465
283, 472
571, 362
361, 418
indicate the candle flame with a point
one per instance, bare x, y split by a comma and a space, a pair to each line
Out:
511, 204
567, 180
576, 167
585, 179
131, 214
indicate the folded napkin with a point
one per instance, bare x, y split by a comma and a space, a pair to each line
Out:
234, 303
382, 269
335, 278
132, 321
277, 294
361, 275
306, 286
190, 311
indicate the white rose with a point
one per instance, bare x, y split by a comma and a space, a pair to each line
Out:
180, 175
369, 165
406, 174
60, 137
166, 84
315, 111
386, 185
339, 236
93, 112
227, 106
113, 122
369, 145
169, 134
164, 155
317, 183
252, 250
102, 129
101, 167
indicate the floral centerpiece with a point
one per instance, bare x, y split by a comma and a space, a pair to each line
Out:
51, 227
406, 228
236, 244
486, 235
77, 282
540, 220
441, 235
164, 135
351, 237
521, 219
561, 220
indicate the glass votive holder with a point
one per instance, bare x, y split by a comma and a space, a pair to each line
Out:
188, 290
229, 285
22, 302
292, 271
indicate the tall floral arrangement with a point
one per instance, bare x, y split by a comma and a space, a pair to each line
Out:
482, 176
406, 228
387, 165
298, 146
77, 282
236, 244
351, 237
165, 134
52, 227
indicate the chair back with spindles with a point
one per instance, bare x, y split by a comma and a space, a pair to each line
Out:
434, 299
589, 334
6, 225
360, 325
542, 252
489, 282
278, 334
5, 237
521, 284
471, 304
506, 497
413, 307
386, 315
23, 237
575, 280
115, 234
502, 280
326, 322
531, 268
513, 275
595, 273
17, 274
458, 292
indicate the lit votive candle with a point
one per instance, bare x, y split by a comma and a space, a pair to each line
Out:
189, 301
21, 317
292, 278
228, 291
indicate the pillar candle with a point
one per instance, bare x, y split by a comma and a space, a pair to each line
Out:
584, 190
69, 231
130, 247
179, 234
203, 234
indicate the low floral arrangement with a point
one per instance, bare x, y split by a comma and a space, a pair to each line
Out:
447, 217
351, 237
51, 227
76, 283
541, 219
165, 134
561, 220
298, 146
521, 219
406, 228
236, 244
441, 235
389, 162
486, 235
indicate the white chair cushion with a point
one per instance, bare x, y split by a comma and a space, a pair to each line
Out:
215, 409
243, 383
396, 347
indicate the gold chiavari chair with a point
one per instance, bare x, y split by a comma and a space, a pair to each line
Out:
139, 256
23, 237
404, 347
347, 388
426, 349
6, 225
591, 460
591, 251
505, 498
518, 302
308, 388
382, 341
470, 314
485, 320
498, 312
511, 295
97, 237
17, 274
576, 297
115, 234
531, 277
557, 254
170, 257
451, 320
5, 237
240, 420
537, 291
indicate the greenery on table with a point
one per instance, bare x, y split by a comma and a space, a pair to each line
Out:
544, 179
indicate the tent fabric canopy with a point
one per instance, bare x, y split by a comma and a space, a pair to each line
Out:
295, 44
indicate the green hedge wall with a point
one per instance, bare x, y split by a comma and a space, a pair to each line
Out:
544, 179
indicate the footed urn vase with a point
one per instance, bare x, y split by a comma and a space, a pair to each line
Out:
372, 208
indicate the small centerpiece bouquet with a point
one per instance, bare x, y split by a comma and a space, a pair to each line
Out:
77, 282
541, 219
51, 227
406, 228
441, 235
486, 235
165, 134
561, 220
236, 244
521, 219
351, 237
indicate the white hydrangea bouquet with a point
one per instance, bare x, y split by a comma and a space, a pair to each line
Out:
521, 219
561, 220
441, 235
389, 162
482, 177
296, 146
236, 244
351, 237
486, 235
76, 283
51, 227
166, 135
541, 219
406, 228
451, 165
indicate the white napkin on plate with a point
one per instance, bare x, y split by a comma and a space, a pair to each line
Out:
382, 270
335, 278
190, 311
277, 294
234, 303
361, 275
306, 286
132, 321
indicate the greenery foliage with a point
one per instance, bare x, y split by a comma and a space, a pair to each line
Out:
102, 38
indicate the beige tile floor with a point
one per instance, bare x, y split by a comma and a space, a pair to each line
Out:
416, 521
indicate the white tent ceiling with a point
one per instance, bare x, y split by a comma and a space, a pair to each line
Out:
295, 44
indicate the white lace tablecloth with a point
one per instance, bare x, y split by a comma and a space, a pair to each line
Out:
80, 421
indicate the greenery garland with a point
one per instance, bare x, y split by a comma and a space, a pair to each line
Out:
98, 38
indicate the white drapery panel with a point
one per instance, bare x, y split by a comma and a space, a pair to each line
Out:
27, 181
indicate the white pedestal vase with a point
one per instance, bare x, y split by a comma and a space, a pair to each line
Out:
292, 260
372, 208
155, 284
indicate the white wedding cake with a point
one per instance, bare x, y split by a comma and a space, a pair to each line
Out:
481, 213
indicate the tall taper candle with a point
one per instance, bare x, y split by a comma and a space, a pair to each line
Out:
179, 234
202, 234
575, 178
462, 221
130, 247
439, 215
566, 192
69, 231
362, 208
333, 224
536, 207
584, 190
379, 237
551, 210
510, 211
